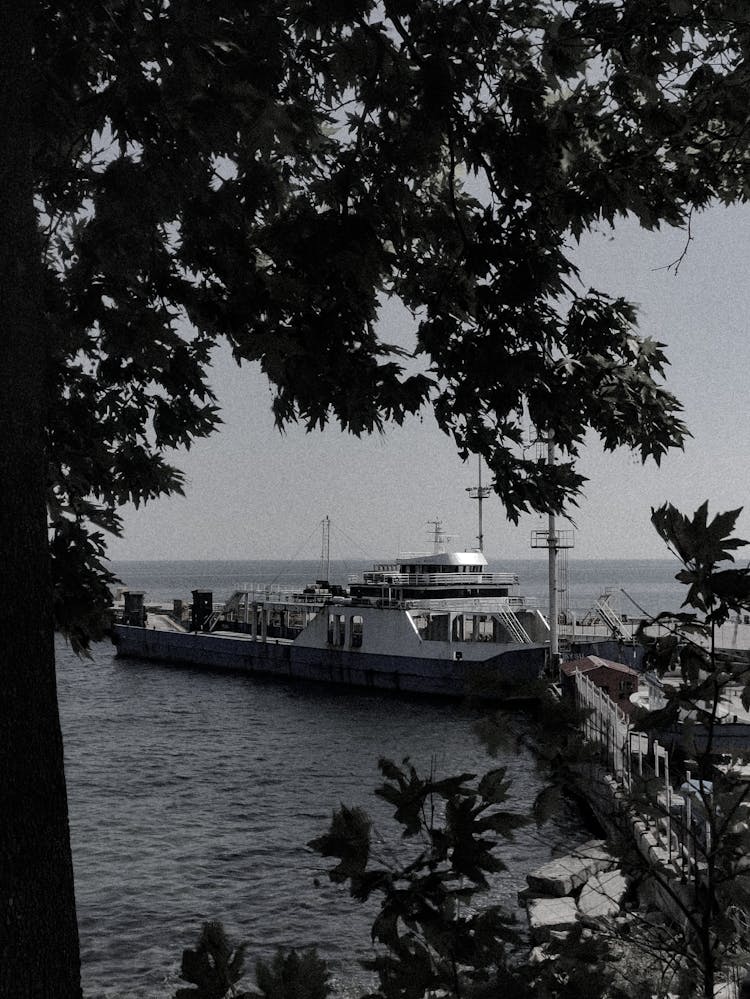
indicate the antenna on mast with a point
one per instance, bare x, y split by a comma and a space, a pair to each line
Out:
479, 493
439, 538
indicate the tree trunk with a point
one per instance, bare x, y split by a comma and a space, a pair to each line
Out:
39, 954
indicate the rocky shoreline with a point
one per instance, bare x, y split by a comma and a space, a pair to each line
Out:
586, 892
586, 884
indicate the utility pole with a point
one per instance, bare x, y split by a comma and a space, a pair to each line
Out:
554, 649
553, 540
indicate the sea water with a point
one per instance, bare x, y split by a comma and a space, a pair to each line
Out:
193, 795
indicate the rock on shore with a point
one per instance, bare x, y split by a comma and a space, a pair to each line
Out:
585, 884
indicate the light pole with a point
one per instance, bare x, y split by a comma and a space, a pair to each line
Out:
554, 541
554, 651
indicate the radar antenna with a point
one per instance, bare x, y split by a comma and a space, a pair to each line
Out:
439, 537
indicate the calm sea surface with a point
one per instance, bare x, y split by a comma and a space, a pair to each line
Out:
192, 795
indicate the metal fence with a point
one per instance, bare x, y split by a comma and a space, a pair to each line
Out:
676, 818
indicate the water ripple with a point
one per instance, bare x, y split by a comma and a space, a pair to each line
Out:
192, 797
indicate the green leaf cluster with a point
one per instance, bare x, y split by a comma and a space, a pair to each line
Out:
293, 975
348, 839
430, 934
692, 723
686, 641
214, 966
702, 546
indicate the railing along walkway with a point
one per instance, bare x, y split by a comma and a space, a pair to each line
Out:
674, 821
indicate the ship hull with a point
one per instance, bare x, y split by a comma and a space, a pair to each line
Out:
511, 671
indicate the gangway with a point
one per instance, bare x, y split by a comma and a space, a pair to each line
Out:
212, 620
604, 610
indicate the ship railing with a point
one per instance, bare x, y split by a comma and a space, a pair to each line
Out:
483, 602
275, 595
437, 578
458, 605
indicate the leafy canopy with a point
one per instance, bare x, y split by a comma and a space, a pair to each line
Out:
267, 175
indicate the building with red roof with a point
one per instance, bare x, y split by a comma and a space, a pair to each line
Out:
615, 679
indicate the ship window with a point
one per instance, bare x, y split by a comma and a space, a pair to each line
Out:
336, 629
482, 628
438, 628
420, 622
457, 631
356, 635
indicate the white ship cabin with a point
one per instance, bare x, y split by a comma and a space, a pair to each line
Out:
441, 575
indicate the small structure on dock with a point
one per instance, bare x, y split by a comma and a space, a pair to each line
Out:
617, 681
134, 611
202, 609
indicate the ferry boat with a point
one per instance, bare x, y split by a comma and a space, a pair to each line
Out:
437, 624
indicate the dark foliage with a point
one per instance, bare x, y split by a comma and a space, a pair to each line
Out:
704, 681
267, 176
214, 967
293, 975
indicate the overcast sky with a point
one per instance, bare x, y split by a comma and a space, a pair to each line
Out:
253, 493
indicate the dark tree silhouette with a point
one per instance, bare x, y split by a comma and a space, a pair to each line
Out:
177, 175
38, 932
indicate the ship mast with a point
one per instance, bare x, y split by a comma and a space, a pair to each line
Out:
325, 550
479, 493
